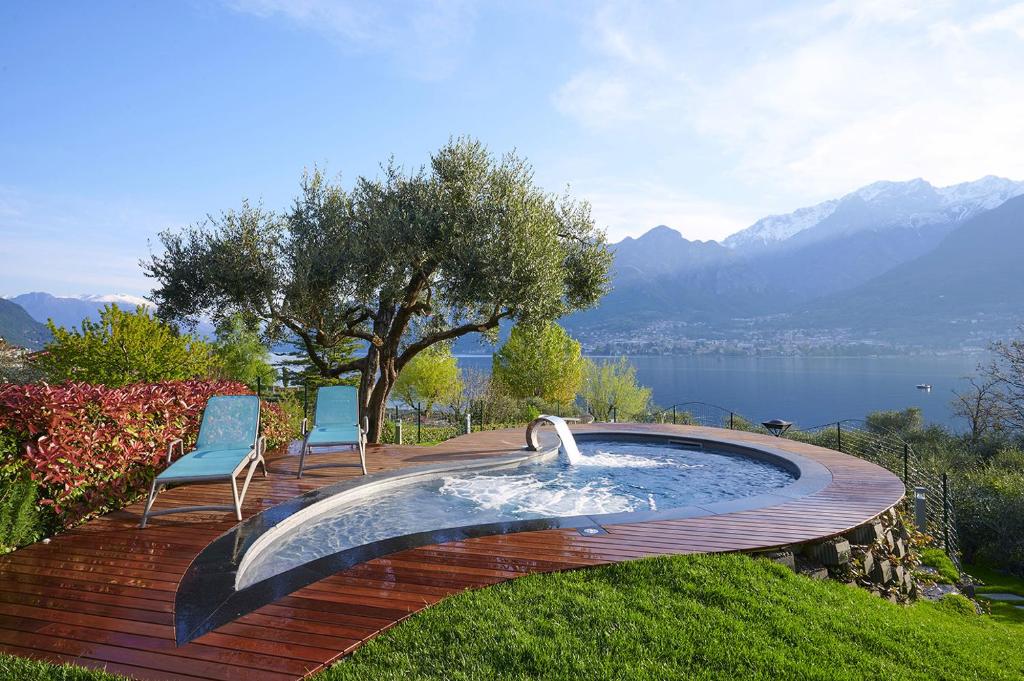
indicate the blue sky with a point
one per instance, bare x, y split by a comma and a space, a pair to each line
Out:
119, 119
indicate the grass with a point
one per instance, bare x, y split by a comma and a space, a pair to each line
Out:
693, 617
993, 581
31, 670
685, 617
939, 561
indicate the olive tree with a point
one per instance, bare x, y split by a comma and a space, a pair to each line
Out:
398, 263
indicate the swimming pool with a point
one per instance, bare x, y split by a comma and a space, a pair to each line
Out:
612, 477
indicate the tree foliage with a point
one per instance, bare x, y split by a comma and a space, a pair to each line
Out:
432, 377
540, 361
609, 386
124, 347
241, 355
399, 262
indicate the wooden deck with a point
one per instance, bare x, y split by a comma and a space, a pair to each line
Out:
102, 595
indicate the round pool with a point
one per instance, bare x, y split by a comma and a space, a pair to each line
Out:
613, 476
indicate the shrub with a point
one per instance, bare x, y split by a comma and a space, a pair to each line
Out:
20, 521
989, 505
91, 449
123, 348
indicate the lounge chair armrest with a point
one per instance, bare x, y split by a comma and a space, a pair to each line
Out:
305, 426
170, 449
261, 445
364, 427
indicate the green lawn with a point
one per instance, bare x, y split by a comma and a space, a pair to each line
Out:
689, 617
998, 582
700, 617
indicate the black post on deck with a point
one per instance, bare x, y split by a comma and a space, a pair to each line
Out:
419, 421
945, 512
673, 414
305, 398
732, 418
839, 435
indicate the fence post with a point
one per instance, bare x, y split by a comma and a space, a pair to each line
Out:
419, 424
731, 417
614, 414
259, 387
305, 399
839, 435
398, 432
469, 423
945, 512
673, 414
906, 464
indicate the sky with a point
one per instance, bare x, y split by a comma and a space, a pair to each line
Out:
122, 119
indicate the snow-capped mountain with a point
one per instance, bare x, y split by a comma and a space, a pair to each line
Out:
70, 311
777, 228
879, 206
121, 299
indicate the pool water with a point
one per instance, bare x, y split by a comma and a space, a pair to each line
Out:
612, 477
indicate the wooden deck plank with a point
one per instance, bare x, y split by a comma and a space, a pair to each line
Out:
102, 595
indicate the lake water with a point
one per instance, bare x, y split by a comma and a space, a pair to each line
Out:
806, 390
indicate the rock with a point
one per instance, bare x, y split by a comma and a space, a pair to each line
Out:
868, 533
785, 558
934, 592
869, 564
899, 548
833, 552
881, 573
898, 574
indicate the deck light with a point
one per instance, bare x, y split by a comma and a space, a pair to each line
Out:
777, 426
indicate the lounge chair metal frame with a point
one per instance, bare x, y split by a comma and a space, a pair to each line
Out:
307, 448
252, 461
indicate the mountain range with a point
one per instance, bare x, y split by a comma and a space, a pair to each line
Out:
827, 273
890, 266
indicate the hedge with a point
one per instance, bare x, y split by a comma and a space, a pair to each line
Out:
85, 449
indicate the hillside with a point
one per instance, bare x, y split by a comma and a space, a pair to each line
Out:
971, 277
894, 263
18, 328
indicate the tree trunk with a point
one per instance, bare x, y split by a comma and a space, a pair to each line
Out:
375, 403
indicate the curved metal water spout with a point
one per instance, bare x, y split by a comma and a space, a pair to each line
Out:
564, 434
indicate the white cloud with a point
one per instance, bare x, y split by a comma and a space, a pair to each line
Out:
630, 209
425, 37
816, 100
70, 246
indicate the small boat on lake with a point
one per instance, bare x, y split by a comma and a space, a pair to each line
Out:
924, 386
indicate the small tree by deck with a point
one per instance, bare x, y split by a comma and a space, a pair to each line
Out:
241, 355
432, 377
124, 347
544, 362
400, 263
609, 385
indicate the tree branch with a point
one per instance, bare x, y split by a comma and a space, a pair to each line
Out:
478, 326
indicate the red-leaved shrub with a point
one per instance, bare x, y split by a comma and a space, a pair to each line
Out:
91, 448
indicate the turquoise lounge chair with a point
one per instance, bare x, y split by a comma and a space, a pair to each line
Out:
228, 443
336, 423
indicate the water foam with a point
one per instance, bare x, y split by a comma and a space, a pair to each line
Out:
529, 495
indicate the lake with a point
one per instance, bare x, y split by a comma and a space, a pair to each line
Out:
806, 390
